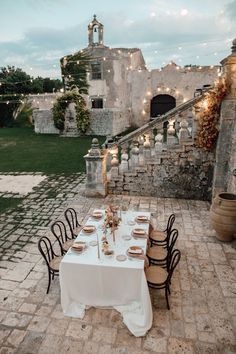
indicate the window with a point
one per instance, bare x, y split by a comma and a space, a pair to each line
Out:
96, 71
97, 103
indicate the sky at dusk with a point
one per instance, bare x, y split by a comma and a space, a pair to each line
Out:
35, 34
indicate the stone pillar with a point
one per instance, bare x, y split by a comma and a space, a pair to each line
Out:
96, 183
141, 149
183, 132
159, 142
147, 148
134, 154
224, 173
124, 165
171, 139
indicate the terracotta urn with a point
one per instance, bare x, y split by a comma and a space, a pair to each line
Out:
223, 216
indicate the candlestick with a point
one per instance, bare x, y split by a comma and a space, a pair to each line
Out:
98, 246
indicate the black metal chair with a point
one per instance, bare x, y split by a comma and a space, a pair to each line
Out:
158, 237
58, 229
159, 254
159, 278
72, 220
51, 258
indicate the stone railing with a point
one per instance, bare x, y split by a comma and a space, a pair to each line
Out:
160, 157
174, 129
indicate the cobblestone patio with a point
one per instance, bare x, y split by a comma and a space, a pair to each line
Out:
202, 318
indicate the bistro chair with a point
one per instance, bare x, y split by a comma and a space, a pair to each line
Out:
159, 254
72, 220
58, 229
158, 237
159, 278
51, 258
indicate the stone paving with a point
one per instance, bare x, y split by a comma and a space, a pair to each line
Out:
202, 318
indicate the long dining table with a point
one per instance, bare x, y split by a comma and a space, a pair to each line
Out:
93, 279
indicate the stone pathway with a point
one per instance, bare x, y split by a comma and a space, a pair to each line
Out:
202, 318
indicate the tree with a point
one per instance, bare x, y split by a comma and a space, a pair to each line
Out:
74, 70
14, 85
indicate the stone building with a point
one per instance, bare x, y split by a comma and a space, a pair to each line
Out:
124, 93
177, 165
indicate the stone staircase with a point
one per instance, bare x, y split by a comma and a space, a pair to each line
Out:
163, 162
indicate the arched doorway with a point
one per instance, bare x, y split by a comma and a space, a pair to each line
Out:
161, 104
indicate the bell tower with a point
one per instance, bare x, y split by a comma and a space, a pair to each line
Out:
95, 33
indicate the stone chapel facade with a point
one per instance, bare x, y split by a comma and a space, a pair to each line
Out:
124, 93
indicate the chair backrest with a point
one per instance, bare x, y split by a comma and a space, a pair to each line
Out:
45, 247
170, 223
72, 220
173, 262
58, 229
171, 239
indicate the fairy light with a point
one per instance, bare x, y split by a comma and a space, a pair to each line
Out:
200, 68
158, 89
205, 104
177, 68
143, 112
144, 100
149, 93
167, 89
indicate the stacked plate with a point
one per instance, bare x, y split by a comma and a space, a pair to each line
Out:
142, 219
88, 229
97, 215
79, 246
139, 233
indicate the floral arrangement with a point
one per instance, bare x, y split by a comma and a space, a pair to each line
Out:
82, 114
208, 117
111, 220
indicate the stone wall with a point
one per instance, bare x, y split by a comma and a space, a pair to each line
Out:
172, 80
232, 162
108, 121
43, 122
181, 172
225, 168
43, 101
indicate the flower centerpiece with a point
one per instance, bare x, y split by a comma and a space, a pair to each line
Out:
111, 219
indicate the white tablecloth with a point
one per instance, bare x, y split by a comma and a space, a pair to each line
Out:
88, 281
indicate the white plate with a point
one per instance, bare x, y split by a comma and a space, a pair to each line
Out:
93, 243
121, 258
126, 237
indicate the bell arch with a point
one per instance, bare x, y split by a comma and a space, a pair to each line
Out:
95, 33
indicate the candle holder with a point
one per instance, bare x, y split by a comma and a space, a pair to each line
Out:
99, 255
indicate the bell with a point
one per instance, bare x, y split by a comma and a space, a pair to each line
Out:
95, 29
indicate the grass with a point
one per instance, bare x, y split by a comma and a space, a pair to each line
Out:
8, 203
21, 150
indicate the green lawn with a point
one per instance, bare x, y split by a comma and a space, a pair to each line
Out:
21, 150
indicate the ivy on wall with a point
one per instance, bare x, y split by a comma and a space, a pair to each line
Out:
209, 116
59, 111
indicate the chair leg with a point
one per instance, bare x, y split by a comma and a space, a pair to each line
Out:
166, 294
49, 281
